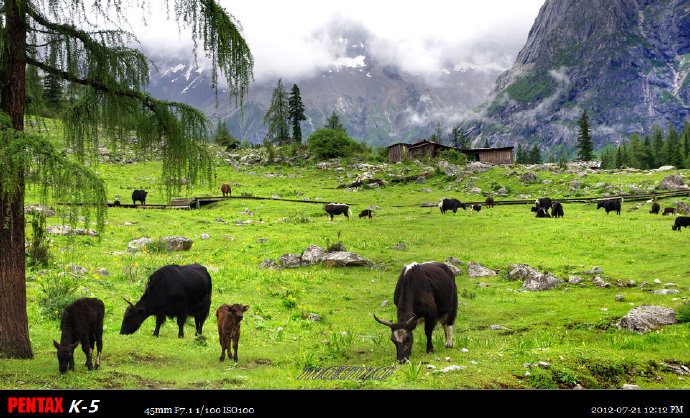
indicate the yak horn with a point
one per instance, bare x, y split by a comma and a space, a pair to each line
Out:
412, 319
381, 321
130, 303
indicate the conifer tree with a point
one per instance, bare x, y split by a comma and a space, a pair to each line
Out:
584, 140
520, 155
296, 113
333, 122
277, 116
535, 155
111, 77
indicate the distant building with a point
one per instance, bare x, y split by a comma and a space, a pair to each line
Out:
421, 149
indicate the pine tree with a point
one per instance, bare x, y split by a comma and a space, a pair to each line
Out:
52, 92
486, 143
333, 122
520, 155
437, 136
277, 116
296, 113
584, 140
223, 137
111, 77
535, 155
658, 146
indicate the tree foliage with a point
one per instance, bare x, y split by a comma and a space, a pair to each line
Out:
331, 143
106, 81
650, 153
296, 113
584, 140
277, 116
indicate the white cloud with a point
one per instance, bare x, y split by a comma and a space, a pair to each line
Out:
421, 37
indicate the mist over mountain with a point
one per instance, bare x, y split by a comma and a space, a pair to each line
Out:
625, 61
376, 98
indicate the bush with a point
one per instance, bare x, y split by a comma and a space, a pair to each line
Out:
38, 251
331, 143
59, 290
453, 157
683, 312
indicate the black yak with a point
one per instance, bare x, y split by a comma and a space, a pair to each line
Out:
82, 322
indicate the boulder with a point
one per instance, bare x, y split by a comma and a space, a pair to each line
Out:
270, 263
673, 182
543, 282
68, 230
177, 243
312, 255
528, 177
457, 271
475, 270
290, 260
344, 259
41, 209
644, 318
521, 272
478, 167
138, 244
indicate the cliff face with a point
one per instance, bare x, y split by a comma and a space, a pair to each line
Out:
625, 61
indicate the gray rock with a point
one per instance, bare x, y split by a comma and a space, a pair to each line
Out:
665, 292
599, 282
68, 230
475, 270
102, 272
528, 177
205, 236
420, 180
399, 246
344, 259
457, 271
644, 318
682, 207
522, 272
290, 260
673, 182
41, 209
138, 244
312, 255
262, 240
620, 298
454, 260
546, 281
575, 279
177, 243
270, 263
478, 167
76, 269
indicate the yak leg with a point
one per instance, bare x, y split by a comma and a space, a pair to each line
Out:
160, 319
88, 350
223, 346
429, 324
448, 329
235, 342
181, 319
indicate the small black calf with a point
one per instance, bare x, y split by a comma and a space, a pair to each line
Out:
82, 322
366, 213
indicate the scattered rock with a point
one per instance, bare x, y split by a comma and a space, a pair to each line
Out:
673, 182
545, 281
337, 247
344, 259
529, 177
138, 244
457, 271
270, 263
665, 292
177, 243
41, 209
68, 230
522, 272
312, 255
475, 270
290, 260
644, 318
620, 298
599, 282
399, 246
205, 236
454, 260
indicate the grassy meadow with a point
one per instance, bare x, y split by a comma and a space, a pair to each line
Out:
572, 328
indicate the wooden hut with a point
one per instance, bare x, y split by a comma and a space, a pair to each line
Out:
503, 155
397, 152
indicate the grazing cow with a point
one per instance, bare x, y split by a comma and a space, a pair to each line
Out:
139, 195
610, 205
337, 209
172, 291
229, 318
477, 207
543, 202
365, 213
681, 221
226, 190
117, 203
450, 204
655, 208
82, 322
542, 213
557, 210
425, 291
668, 211
490, 202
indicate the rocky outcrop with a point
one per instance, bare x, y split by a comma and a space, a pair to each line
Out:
645, 318
625, 62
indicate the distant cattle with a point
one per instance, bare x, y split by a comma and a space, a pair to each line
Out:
226, 190
139, 195
668, 211
172, 291
557, 210
229, 318
681, 221
337, 209
655, 208
542, 213
490, 202
82, 322
424, 291
477, 208
366, 213
610, 205
117, 203
543, 202
450, 204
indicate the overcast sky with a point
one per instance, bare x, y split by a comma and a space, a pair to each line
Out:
287, 37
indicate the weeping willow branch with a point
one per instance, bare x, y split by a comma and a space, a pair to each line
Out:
56, 176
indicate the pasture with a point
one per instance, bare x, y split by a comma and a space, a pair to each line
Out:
572, 328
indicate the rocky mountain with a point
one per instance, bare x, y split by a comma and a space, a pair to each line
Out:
625, 61
377, 102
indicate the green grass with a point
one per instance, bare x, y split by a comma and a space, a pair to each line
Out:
572, 327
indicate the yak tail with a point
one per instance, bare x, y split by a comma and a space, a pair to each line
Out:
349, 211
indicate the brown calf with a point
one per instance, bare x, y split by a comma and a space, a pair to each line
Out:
226, 190
668, 211
229, 317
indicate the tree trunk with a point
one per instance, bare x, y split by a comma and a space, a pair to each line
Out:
14, 325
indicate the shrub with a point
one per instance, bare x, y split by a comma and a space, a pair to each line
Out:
683, 312
58, 292
38, 251
453, 157
331, 143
